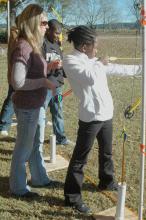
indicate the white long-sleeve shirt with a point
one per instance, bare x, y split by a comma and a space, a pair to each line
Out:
88, 80
121, 69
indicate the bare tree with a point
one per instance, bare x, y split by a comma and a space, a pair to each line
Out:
134, 11
16, 5
109, 12
73, 12
64, 9
57, 8
92, 12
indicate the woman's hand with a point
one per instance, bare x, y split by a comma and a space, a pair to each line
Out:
105, 60
53, 65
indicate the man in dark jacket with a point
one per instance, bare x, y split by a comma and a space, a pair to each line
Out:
52, 52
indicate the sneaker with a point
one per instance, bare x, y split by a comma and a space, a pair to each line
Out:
26, 195
110, 187
80, 207
65, 142
49, 123
4, 133
14, 124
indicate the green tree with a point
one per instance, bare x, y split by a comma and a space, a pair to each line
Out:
3, 6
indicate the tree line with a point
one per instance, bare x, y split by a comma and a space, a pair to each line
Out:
75, 12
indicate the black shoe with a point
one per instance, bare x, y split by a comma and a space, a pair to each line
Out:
81, 207
26, 195
51, 184
110, 187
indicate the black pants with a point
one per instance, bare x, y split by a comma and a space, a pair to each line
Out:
87, 133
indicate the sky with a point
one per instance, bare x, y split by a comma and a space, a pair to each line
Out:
124, 12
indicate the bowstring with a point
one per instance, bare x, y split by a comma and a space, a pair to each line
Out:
137, 6
134, 77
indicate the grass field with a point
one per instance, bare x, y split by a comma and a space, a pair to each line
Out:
50, 205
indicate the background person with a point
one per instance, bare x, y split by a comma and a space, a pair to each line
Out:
7, 110
52, 51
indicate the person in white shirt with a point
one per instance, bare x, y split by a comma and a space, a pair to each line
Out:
87, 77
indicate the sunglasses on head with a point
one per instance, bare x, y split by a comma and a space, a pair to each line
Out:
44, 23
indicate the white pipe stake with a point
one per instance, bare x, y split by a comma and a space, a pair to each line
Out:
121, 201
143, 116
53, 148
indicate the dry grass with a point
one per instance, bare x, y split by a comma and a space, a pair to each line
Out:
50, 204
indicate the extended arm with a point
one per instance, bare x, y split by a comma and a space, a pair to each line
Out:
123, 69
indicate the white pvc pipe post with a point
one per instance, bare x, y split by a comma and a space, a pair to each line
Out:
120, 210
143, 120
53, 148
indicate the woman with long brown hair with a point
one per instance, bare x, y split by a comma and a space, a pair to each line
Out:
29, 71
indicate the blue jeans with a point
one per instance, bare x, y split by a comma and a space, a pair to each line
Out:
27, 149
7, 111
56, 110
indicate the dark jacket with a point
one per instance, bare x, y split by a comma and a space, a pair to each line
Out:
52, 51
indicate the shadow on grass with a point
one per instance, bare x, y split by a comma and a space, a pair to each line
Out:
4, 186
46, 141
5, 191
102, 217
58, 185
13, 212
5, 151
5, 159
62, 212
7, 139
53, 202
89, 187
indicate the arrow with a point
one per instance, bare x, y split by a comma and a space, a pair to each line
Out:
124, 58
